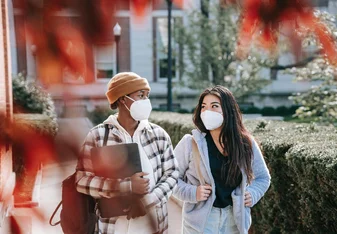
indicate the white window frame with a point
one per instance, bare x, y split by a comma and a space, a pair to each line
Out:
114, 65
176, 14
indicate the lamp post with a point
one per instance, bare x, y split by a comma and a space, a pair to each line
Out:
33, 49
117, 33
169, 57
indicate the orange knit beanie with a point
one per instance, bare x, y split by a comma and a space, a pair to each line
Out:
125, 83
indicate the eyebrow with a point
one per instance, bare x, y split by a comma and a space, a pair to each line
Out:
143, 92
211, 103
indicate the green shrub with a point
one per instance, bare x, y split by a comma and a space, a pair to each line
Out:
183, 111
177, 125
302, 160
34, 110
31, 98
99, 114
268, 111
282, 111
38, 123
252, 110
285, 111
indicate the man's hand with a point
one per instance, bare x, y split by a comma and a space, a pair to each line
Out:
203, 192
140, 185
137, 209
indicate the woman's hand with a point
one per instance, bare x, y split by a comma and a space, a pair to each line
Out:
203, 192
248, 199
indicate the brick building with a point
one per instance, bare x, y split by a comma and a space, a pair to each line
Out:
142, 50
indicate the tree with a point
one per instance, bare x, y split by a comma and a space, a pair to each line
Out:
320, 102
209, 41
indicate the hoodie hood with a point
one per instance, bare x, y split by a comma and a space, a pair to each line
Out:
112, 119
198, 135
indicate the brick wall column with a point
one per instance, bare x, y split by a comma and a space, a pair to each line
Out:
7, 177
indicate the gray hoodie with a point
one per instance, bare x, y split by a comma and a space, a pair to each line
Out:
195, 213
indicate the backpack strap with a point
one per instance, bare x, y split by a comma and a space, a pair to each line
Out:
197, 158
106, 134
105, 140
52, 216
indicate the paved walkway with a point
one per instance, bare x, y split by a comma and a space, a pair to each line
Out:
71, 130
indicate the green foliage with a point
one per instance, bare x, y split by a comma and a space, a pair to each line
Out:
99, 114
177, 125
262, 125
39, 123
31, 98
33, 109
270, 111
209, 45
302, 159
251, 110
319, 104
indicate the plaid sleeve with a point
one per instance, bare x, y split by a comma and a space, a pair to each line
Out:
168, 180
95, 186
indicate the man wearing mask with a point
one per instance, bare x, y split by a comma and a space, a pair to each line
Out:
129, 93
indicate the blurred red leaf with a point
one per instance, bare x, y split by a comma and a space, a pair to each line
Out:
14, 226
35, 149
140, 6
63, 45
261, 21
179, 3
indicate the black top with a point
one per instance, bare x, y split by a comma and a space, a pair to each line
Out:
217, 160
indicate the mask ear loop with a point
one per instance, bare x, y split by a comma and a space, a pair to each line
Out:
125, 105
129, 98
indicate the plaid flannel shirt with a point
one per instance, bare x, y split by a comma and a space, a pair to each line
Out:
157, 146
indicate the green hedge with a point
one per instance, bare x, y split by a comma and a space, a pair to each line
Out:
39, 122
302, 160
29, 97
270, 111
99, 114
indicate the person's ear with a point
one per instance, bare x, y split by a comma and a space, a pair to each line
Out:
122, 100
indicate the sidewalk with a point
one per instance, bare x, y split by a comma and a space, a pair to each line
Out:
55, 172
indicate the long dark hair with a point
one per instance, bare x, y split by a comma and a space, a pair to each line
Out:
234, 138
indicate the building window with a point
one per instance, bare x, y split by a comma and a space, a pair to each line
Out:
105, 61
161, 48
105, 52
80, 54
273, 74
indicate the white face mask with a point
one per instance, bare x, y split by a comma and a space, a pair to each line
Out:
140, 109
211, 119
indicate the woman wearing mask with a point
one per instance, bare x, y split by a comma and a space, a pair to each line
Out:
222, 171
129, 93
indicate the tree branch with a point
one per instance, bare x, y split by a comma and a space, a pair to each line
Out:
302, 63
